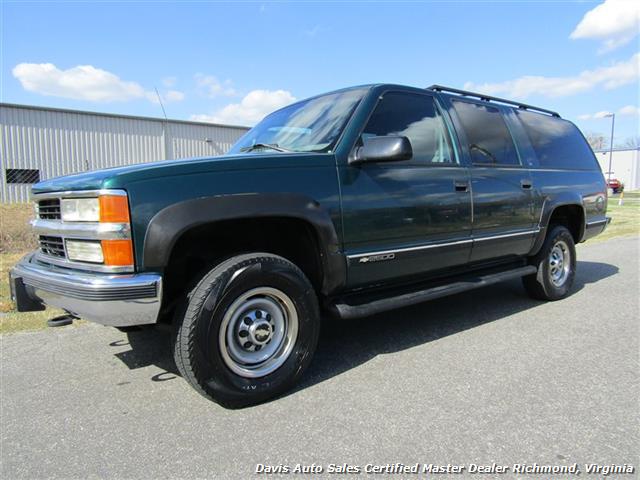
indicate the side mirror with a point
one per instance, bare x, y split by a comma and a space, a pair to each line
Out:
383, 149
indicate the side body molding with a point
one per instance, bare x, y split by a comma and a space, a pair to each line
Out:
549, 204
168, 225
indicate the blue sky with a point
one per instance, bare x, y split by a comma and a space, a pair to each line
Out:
233, 62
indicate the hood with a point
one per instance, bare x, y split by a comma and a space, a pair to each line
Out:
119, 177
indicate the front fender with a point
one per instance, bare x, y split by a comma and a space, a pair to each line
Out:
168, 225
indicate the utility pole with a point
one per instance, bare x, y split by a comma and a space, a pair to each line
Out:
613, 122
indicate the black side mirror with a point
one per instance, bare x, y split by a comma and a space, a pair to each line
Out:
383, 149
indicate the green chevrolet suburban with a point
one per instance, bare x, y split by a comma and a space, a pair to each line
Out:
346, 204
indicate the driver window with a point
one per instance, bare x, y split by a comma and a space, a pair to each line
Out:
413, 116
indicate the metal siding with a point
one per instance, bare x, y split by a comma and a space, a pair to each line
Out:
625, 166
191, 141
63, 142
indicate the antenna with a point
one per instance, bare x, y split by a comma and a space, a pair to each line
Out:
165, 127
161, 105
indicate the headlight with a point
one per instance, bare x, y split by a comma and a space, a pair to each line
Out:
82, 251
80, 209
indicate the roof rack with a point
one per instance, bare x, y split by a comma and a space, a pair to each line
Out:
489, 98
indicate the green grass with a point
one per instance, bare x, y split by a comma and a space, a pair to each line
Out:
625, 218
10, 320
17, 240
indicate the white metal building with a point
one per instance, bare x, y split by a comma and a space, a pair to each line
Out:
625, 166
37, 143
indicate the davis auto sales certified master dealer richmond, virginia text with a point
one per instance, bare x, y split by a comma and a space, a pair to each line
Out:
422, 468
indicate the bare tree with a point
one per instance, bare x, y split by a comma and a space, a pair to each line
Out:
598, 141
630, 142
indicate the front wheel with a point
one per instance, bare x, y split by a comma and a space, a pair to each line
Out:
250, 329
556, 263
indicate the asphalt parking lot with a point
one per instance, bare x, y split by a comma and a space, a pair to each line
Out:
486, 376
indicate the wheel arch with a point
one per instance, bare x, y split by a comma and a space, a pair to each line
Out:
170, 225
567, 210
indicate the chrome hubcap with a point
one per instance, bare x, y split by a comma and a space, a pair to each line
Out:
255, 330
559, 263
258, 332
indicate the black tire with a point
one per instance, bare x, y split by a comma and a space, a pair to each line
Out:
202, 353
547, 283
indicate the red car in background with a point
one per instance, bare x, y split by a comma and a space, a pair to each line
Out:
616, 185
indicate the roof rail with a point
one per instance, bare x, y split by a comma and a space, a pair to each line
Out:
489, 98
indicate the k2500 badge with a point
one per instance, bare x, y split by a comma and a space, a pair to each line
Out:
378, 258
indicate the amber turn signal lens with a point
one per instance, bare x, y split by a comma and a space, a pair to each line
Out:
114, 208
117, 253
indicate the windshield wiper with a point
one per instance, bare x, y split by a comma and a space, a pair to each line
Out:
272, 146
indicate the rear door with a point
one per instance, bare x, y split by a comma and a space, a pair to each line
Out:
502, 187
408, 217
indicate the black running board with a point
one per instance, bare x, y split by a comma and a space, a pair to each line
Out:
342, 308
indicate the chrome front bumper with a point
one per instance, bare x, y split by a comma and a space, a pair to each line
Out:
117, 300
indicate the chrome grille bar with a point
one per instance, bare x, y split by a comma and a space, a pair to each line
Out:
49, 209
53, 246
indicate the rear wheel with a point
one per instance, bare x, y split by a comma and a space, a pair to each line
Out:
556, 263
249, 330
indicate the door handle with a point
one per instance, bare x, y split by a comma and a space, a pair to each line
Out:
461, 186
526, 184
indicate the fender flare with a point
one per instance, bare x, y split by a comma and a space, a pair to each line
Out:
549, 205
170, 223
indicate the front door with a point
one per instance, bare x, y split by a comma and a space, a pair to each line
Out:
409, 217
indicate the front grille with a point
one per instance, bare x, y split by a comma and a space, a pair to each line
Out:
49, 209
52, 246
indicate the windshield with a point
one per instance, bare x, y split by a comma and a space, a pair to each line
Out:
312, 125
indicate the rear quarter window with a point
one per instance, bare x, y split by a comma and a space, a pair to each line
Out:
557, 143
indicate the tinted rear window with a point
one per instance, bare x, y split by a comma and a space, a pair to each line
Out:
557, 142
490, 142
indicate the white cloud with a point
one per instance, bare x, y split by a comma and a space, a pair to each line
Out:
251, 109
629, 110
626, 111
594, 116
615, 22
212, 87
167, 97
169, 81
174, 96
610, 77
602, 114
83, 82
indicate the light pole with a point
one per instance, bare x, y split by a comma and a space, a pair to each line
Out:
613, 122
